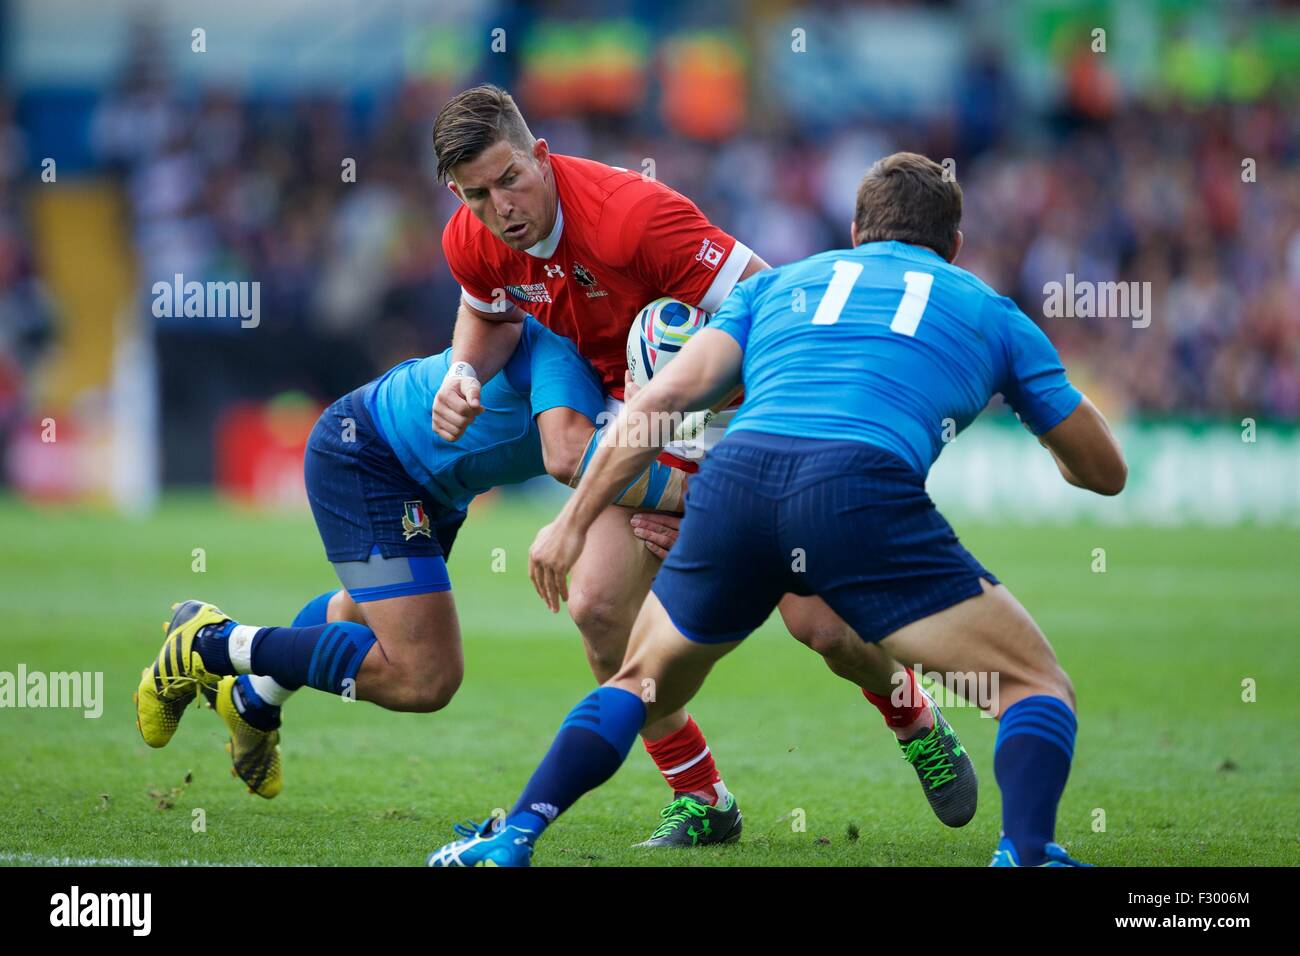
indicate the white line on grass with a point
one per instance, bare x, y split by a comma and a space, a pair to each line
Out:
31, 859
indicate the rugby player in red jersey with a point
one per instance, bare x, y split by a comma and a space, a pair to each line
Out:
582, 246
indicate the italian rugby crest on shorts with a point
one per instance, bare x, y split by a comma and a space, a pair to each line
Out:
415, 521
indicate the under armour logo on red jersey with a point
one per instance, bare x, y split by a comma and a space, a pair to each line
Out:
555, 272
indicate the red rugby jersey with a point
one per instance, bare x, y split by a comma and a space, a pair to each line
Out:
619, 242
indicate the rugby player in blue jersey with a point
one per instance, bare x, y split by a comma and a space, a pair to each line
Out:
388, 496
846, 406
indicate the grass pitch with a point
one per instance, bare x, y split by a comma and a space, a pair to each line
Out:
1177, 766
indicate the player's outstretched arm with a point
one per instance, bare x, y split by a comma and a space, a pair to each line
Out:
568, 440
705, 370
1086, 451
481, 346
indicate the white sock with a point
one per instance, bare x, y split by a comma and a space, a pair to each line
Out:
270, 690
240, 647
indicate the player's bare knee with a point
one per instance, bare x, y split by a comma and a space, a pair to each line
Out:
411, 684
829, 639
563, 448
436, 696
425, 693
562, 462
599, 620
816, 627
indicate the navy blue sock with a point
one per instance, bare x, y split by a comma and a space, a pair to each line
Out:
324, 656
213, 647
1031, 760
313, 612
252, 707
592, 743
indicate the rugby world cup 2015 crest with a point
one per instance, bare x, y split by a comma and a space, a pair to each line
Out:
415, 521
530, 292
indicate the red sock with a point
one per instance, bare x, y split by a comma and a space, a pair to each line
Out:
684, 759
912, 704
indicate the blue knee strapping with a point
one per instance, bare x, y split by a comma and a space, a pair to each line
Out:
338, 655
378, 578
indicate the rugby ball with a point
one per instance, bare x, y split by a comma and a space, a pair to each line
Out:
658, 333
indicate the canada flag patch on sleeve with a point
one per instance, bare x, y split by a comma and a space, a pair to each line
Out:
711, 254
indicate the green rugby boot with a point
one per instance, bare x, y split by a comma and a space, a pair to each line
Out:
945, 770
688, 822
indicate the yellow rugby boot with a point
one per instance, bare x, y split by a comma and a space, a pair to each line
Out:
254, 753
169, 686
179, 666
156, 717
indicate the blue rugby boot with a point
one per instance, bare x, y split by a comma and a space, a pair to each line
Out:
491, 843
1005, 855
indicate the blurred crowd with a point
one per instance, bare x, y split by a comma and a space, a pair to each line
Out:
222, 187
1203, 206
26, 314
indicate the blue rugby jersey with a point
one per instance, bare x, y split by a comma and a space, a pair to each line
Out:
890, 345
502, 446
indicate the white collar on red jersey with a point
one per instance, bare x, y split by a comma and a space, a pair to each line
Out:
545, 248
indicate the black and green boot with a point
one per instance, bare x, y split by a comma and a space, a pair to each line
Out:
689, 822
945, 770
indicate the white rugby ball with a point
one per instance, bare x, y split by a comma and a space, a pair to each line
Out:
658, 333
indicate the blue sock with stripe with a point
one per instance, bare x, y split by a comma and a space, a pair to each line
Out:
592, 743
324, 656
314, 611
1031, 760
252, 707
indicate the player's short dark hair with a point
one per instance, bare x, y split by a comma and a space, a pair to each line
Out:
907, 198
472, 121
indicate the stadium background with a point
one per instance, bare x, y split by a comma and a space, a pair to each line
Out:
130, 444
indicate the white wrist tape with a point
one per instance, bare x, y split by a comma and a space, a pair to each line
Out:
461, 370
